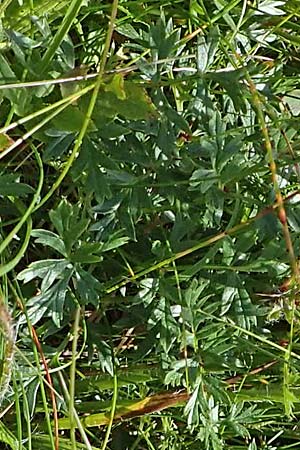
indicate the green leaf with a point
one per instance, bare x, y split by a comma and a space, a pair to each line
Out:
50, 239
74, 232
148, 291
90, 162
114, 242
50, 303
69, 88
5, 141
7, 75
120, 177
110, 105
128, 30
67, 221
116, 85
191, 409
58, 147
48, 270
103, 348
292, 99
228, 296
111, 129
10, 185
245, 312
165, 40
84, 254
162, 315
269, 7
88, 287
203, 178
230, 81
206, 51
61, 216
70, 120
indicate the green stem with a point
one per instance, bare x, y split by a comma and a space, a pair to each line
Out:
26, 414
18, 412
72, 377
91, 106
26, 217
74, 413
61, 33
184, 334
113, 410
37, 367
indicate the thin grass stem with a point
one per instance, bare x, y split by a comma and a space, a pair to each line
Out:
90, 109
73, 377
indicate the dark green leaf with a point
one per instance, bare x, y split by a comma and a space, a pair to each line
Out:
50, 239
88, 287
10, 185
50, 303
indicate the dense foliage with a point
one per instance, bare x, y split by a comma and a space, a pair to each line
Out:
149, 224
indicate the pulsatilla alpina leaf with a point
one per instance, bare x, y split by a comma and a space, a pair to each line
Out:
50, 303
70, 226
48, 238
47, 270
88, 287
86, 253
